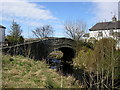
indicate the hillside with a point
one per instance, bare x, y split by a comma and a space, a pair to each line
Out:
21, 72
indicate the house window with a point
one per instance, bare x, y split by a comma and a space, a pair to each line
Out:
100, 34
111, 33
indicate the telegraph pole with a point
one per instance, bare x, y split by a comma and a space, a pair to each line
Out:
119, 11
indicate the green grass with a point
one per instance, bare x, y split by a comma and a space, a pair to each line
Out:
21, 72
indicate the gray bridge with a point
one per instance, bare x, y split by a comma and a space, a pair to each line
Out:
40, 49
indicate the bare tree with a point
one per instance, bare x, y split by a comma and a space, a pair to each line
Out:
43, 31
75, 29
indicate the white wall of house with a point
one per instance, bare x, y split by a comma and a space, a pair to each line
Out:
2, 35
105, 34
85, 39
118, 45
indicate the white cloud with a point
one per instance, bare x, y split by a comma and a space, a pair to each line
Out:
25, 9
104, 11
35, 15
25, 13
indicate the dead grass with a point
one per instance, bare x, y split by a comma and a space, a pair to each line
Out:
21, 72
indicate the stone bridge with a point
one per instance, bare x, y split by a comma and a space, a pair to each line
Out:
40, 49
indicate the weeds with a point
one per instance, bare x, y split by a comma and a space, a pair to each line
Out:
21, 72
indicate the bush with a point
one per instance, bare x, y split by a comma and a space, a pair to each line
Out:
92, 40
88, 45
81, 44
12, 41
103, 61
104, 52
85, 60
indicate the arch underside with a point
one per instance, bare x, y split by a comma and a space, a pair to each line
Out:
68, 52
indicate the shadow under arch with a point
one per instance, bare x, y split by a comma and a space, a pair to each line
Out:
68, 53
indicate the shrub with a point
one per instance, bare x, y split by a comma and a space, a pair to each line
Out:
104, 52
12, 41
85, 60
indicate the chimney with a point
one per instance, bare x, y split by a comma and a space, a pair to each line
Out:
114, 19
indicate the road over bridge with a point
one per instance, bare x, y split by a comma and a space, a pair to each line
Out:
40, 49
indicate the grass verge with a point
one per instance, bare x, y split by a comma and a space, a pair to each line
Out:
22, 72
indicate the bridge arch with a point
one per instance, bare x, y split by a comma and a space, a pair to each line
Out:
68, 52
41, 48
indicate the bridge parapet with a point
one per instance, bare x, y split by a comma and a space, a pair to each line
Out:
40, 49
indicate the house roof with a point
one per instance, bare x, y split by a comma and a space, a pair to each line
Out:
106, 26
2, 27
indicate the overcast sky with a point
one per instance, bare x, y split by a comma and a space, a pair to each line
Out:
29, 14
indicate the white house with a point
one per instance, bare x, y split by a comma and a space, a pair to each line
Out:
2, 34
85, 37
106, 30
